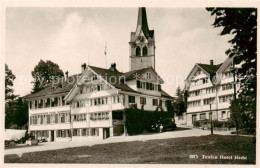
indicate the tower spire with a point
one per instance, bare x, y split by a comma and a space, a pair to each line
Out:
142, 44
142, 23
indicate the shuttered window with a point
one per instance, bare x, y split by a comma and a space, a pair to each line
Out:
142, 100
138, 83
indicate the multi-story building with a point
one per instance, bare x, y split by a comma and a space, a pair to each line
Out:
91, 105
210, 89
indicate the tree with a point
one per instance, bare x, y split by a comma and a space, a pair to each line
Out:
44, 73
242, 24
179, 104
9, 79
9, 97
21, 112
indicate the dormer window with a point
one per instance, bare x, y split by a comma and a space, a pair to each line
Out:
198, 73
94, 77
148, 75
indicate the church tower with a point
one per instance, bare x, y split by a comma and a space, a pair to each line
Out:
142, 44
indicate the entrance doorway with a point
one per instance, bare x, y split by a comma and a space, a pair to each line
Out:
194, 117
52, 136
106, 133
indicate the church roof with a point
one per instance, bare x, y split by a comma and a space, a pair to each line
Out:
142, 25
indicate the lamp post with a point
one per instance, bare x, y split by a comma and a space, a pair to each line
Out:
233, 69
211, 124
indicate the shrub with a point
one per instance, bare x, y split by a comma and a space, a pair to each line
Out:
216, 123
196, 123
138, 120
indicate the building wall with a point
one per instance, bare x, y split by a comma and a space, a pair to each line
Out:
223, 95
142, 62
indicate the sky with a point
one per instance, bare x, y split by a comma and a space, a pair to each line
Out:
73, 36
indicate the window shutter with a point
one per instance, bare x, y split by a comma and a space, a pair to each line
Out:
138, 83
151, 86
159, 88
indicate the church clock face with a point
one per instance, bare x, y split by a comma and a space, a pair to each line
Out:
140, 39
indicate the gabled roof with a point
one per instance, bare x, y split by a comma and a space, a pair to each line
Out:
112, 77
210, 69
70, 83
133, 74
166, 95
50, 90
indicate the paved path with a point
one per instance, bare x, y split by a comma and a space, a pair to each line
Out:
61, 145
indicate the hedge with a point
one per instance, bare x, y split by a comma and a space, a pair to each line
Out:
215, 123
138, 120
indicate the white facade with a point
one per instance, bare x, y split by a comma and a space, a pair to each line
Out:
204, 92
87, 114
93, 106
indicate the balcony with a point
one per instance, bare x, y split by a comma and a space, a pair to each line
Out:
99, 123
194, 109
201, 86
79, 124
194, 98
53, 126
226, 92
78, 110
99, 108
95, 94
49, 109
209, 95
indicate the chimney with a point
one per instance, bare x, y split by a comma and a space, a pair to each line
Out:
83, 67
113, 67
66, 75
211, 62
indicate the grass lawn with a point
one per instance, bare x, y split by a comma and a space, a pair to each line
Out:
177, 150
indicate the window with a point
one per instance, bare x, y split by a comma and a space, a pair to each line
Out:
94, 77
194, 103
148, 75
159, 88
131, 99
223, 114
155, 102
194, 117
209, 101
138, 84
227, 86
145, 51
138, 51
56, 118
204, 80
76, 132
79, 117
227, 98
147, 86
203, 116
83, 132
62, 117
99, 87
143, 85
48, 119
142, 100
94, 132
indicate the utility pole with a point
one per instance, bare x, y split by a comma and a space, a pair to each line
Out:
234, 86
105, 52
211, 124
